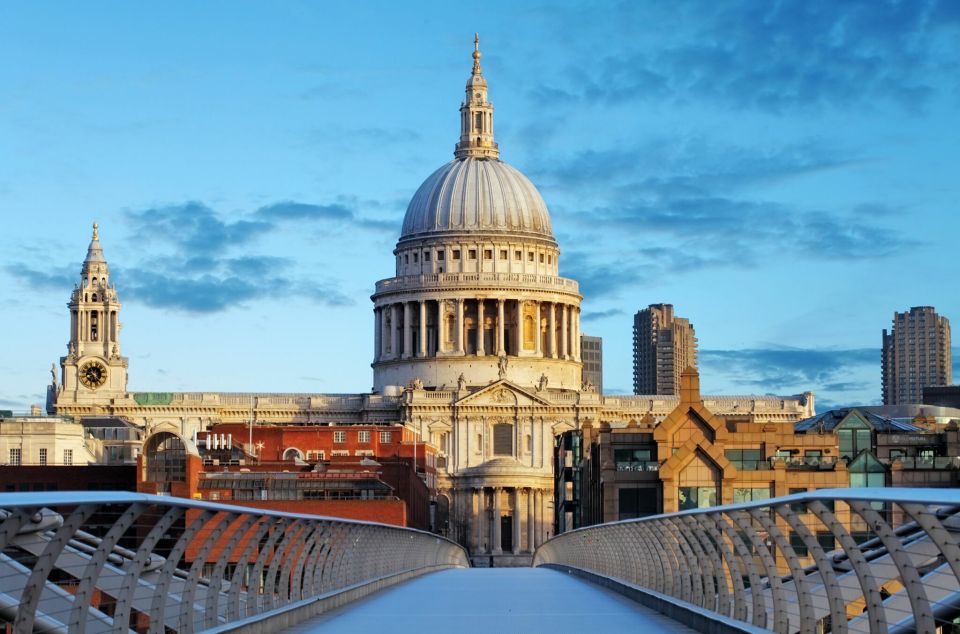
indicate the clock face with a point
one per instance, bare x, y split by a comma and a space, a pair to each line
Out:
93, 374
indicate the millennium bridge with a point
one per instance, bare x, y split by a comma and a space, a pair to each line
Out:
837, 560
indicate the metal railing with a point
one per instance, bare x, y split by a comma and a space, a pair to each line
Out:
770, 564
99, 562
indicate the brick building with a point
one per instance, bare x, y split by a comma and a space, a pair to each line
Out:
363, 472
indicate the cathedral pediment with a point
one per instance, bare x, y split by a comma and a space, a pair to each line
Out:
503, 393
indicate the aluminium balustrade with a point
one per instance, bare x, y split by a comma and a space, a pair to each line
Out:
108, 562
839, 560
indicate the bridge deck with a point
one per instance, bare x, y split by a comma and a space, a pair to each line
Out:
494, 600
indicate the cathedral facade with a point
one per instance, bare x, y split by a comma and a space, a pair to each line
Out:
476, 348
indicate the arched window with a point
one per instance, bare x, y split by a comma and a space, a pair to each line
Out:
503, 439
292, 453
165, 458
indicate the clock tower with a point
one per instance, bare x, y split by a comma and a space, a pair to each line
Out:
93, 372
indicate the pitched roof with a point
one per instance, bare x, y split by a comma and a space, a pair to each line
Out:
831, 418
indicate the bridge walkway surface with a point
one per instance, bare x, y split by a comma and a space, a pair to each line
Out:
488, 600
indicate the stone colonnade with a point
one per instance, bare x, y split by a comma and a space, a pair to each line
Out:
479, 326
530, 524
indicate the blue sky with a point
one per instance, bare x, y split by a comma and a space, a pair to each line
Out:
784, 173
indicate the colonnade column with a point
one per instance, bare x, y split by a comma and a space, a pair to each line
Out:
497, 540
516, 520
407, 330
480, 349
519, 327
538, 511
423, 327
553, 330
476, 506
531, 522
394, 338
536, 330
576, 333
460, 326
564, 316
501, 348
377, 333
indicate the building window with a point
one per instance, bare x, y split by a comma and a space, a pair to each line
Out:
456, 254
636, 502
826, 540
68, 457
339, 437
16, 457
503, 254
426, 256
386, 437
472, 253
746, 459
541, 258
440, 256
530, 256
750, 494
488, 254
316, 456
853, 441
518, 255
415, 257
164, 457
363, 436
43, 456
796, 542
549, 259
699, 484
503, 439
406, 258
632, 459
797, 507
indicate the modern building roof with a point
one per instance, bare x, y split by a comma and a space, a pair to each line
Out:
831, 418
106, 421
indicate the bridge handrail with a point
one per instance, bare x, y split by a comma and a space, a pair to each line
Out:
172, 563
762, 563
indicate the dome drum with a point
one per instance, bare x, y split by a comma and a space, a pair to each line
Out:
443, 373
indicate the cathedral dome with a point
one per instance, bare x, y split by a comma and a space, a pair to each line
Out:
472, 194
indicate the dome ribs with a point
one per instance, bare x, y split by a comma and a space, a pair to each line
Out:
477, 195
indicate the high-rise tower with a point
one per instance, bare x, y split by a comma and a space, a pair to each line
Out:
916, 353
663, 347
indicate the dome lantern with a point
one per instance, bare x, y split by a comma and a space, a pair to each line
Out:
476, 115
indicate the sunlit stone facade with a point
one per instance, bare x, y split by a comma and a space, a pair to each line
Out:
476, 348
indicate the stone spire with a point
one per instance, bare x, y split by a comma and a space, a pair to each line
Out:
95, 271
476, 115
